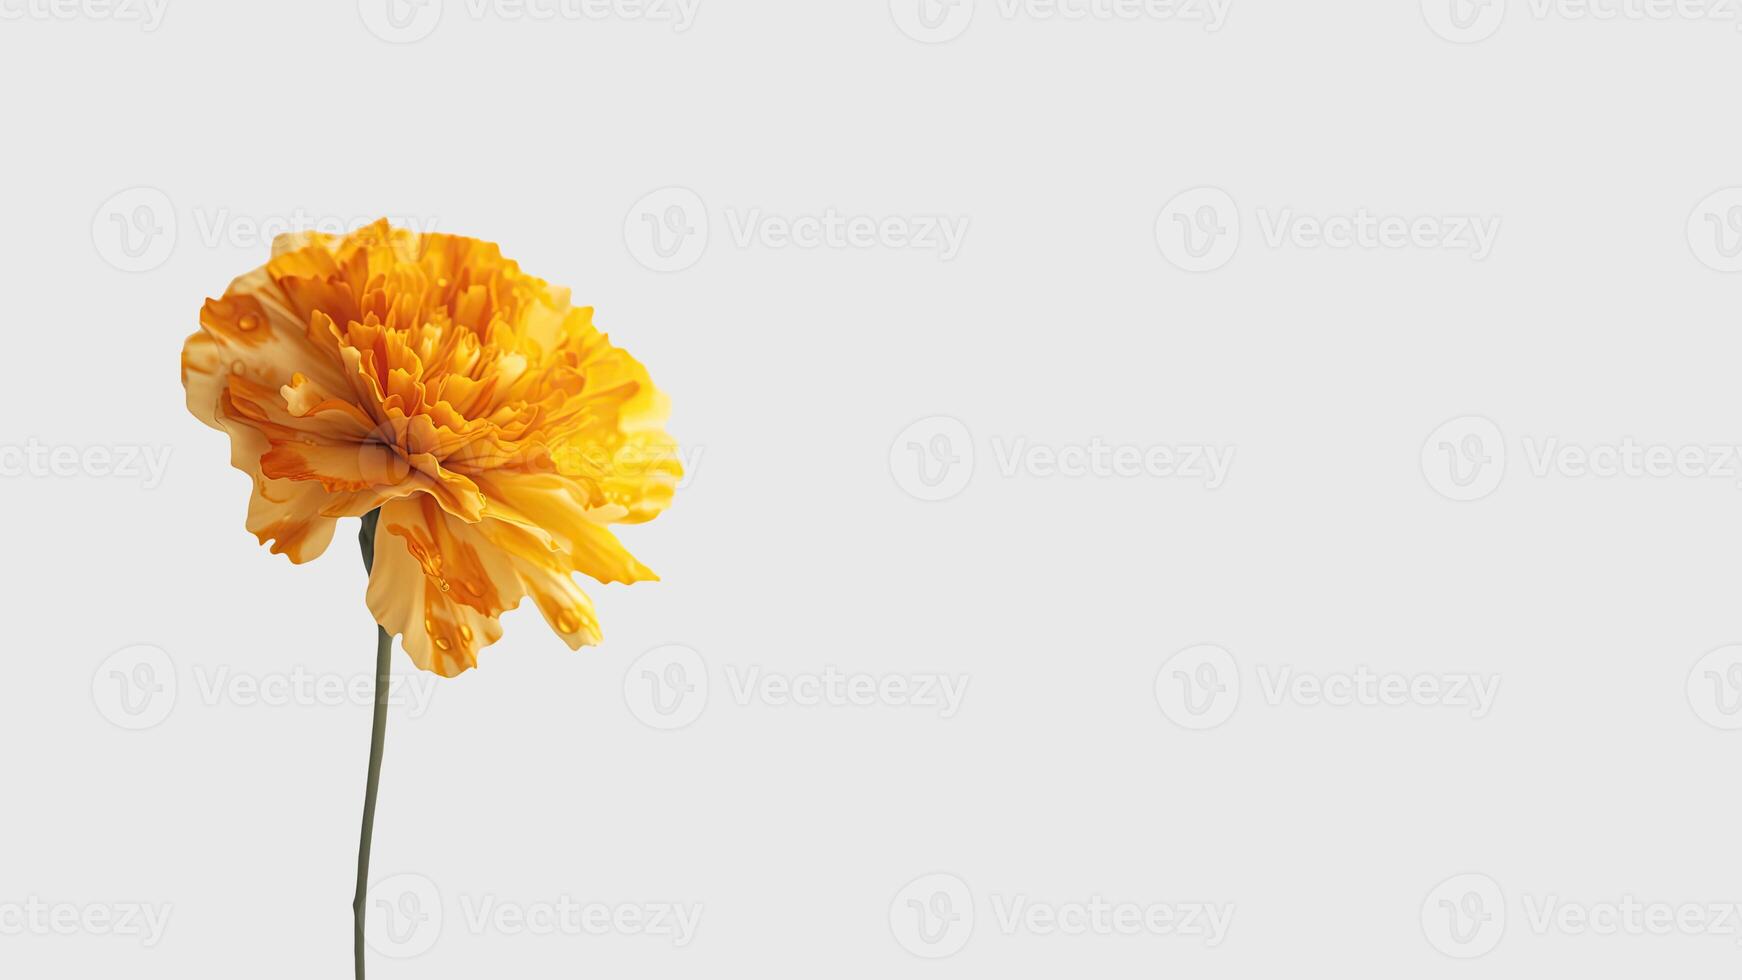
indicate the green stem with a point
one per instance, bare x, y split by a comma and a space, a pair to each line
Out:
377, 735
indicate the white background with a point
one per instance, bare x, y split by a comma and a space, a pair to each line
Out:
799, 544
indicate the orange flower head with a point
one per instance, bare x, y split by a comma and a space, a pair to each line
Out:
496, 429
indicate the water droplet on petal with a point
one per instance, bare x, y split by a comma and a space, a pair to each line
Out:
248, 321
429, 626
465, 632
567, 623
238, 367
443, 584
443, 644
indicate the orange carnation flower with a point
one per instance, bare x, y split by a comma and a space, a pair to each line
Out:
480, 426
498, 432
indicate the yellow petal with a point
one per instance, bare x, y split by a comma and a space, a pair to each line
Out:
547, 577
554, 506
439, 585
